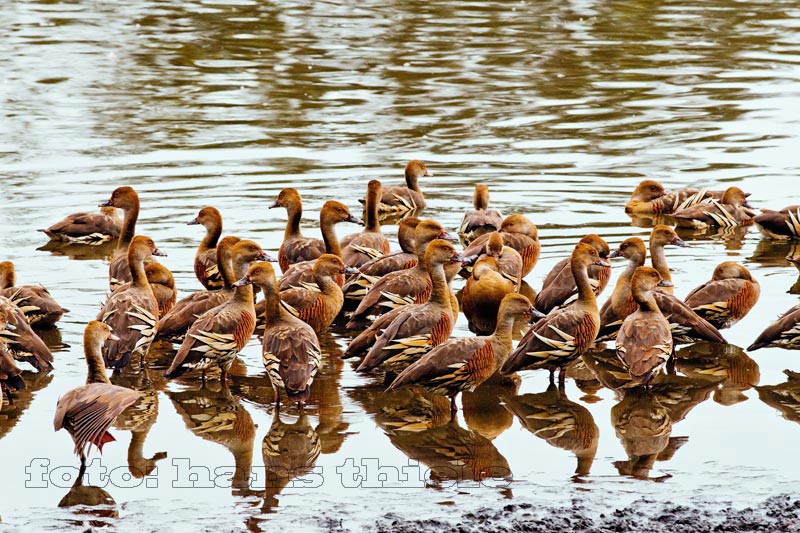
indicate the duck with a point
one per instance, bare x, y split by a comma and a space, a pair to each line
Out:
10, 374
401, 287
509, 261
39, 307
417, 328
162, 283
127, 199
519, 233
17, 337
731, 211
316, 306
559, 288
565, 334
87, 228
481, 219
331, 214
400, 199
651, 198
779, 225
660, 237
783, 333
458, 365
88, 411
727, 298
370, 243
290, 348
484, 291
295, 247
357, 285
644, 341
219, 334
205, 260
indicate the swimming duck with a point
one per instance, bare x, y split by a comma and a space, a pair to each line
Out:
564, 334
481, 219
359, 248
133, 311
219, 334
290, 348
727, 298
163, 285
88, 411
40, 309
124, 198
559, 288
484, 291
205, 260
417, 328
462, 364
783, 333
87, 228
644, 341
518, 233
783, 224
20, 340
650, 198
400, 199
660, 237
728, 212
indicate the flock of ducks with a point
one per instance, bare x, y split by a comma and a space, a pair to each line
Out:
400, 304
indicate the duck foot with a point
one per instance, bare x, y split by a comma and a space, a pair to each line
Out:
552, 376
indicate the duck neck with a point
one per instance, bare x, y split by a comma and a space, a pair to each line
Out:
659, 261
645, 299
244, 293
411, 182
212, 237
406, 240
294, 211
326, 284
440, 293
627, 274
481, 201
128, 225
272, 303
581, 275
225, 270
7, 278
329, 237
503, 331
371, 222
94, 362
136, 265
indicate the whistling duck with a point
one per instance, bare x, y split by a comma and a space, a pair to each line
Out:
331, 214
481, 219
518, 233
132, 312
418, 327
783, 224
660, 237
559, 288
174, 324
643, 426
644, 341
728, 212
404, 286
783, 333
295, 247
219, 334
163, 285
290, 348
87, 228
566, 333
462, 364
317, 306
509, 261
10, 374
409, 198
205, 260
21, 341
370, 243
124, 198
88, 411
784, 397
485, 289
356, 287
650, 198
40, 309
727, 298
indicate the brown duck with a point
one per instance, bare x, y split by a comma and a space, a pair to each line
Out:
163, 285
650, 198
731, 211
660, 237
205, 260
409, 198
518, 233
417, 328
780, 225
133, 311
509, 261
10, 374
644, 342
459, 365
565, 334
481, 219
88, 411
124, 198
219, 334
783, 333
20, 340
359, 248
40, 309
87, 228
485, 289
559, 288
727, 298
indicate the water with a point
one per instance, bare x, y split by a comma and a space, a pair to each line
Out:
562, 107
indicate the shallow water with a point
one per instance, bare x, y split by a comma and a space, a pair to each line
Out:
561, 106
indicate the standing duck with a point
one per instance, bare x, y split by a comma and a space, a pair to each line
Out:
124, 198
417, 328
409, 198
462, 364
484, 291
660, 237
644, 342
87, 228
565, 334
370, 243
480, 220
519, 233
509, 261
331, 214
781, 225
559, 288
783, 333
133, 311
727, 298
290, 348
295, 248
205, 260
650, 198
40, 309
730, 211
163, 285
88, 411
10, 374
219, 334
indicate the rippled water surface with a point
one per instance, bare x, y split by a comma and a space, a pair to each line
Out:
562, 107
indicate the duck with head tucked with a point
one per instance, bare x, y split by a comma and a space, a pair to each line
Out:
481, 219
17, 337
401, 199
205, 260
87, 228
484, 291
783, 333
519, 233
731, 211
39, 307
779, 225
727, 297
370, 243
650, 198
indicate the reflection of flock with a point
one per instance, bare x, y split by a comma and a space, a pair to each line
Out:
403, 309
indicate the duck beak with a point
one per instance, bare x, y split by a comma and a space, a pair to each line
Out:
602, 263
615, 254
535, 315
428, 173
107, 203
677, 241
457, 258
193, 222
159, 253
242, 282
447, 236
264, 256
113, 337
349, 270
470, 260
665, 283
354, 220
274, 205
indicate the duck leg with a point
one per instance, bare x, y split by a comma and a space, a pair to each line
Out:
453, 406
562, 377
671, 363
79, 480
276, 398
552, 376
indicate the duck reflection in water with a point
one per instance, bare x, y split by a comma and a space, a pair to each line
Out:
16, 402
784, 397
562, 423
727, 366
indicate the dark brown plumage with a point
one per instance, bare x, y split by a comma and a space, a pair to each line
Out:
124, 198
205, 260
87, 228
10, 374
660, 237
518, 233
485, 289
163, 285
728, 212
400, 199
481, 219
20, 340
370, 243
39, 307
783, 333
783, 224
650, 198
727, 298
